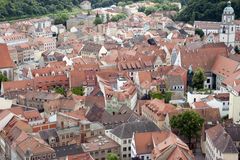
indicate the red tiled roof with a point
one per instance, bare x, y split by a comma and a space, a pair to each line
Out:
5, 60
224, 66
82, 156
203, 57
31, 114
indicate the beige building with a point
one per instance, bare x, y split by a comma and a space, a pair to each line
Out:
231, 83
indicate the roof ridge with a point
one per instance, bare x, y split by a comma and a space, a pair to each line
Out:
124, 124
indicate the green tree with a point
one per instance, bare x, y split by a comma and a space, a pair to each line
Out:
78, 91
112, 156
206, 10
61, 18
2, 79
121, 4
188, 123
150, 10
199, 32
198, 79
88, 12
164, 95
141, 9
118, 17
98, 20
236, 49
61, 90
108, 18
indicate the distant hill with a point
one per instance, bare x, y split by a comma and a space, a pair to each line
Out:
22, 8
207, 10
17, 9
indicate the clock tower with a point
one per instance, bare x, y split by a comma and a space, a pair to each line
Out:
228, 28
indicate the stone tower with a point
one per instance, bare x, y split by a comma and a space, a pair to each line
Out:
228, 28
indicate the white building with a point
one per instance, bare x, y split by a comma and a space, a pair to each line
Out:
220, 101
228, 27
123, 135
195, 97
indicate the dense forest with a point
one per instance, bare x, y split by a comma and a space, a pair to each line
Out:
21, 8
208, 10
11, 9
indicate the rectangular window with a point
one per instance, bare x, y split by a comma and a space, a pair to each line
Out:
208, 80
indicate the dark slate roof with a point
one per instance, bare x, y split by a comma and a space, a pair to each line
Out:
68, 150
98, 114
171, 28
91, 47
126, 130
221, 139
234, 131
173, 81
183, 32
45, 134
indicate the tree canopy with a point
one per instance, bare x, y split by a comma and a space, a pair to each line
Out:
28, 8
188, 123
98, 20
206, 10
61, 90
2, 79
118, 17
164, 95
78, 91
199, 32
112, 156
61, 18
16, 9
158, 7
198, 79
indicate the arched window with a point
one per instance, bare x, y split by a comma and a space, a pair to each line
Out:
224, 29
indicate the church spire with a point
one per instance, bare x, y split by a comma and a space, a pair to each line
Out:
229, 3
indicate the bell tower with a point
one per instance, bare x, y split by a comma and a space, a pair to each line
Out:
228, 28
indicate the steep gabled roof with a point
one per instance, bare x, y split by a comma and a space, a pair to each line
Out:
219, 67
5, 60
203, 57
221, 139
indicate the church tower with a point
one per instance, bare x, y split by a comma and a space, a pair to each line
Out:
228, 28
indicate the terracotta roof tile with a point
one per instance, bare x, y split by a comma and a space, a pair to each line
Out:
203, 57
219, 67
5, 60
